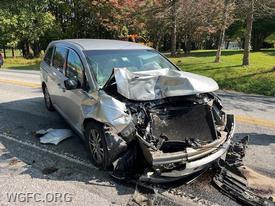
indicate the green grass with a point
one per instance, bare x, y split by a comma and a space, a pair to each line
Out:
258, 78
22, 63
19, 62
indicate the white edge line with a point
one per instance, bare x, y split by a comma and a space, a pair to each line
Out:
85, 164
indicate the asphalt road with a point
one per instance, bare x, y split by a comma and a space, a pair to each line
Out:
26, 165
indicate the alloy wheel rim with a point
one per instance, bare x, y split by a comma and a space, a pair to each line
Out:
96, 146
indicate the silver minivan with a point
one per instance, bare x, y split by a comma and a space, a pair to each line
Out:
135, 110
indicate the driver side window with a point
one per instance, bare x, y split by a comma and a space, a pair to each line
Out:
74, 69
59, 58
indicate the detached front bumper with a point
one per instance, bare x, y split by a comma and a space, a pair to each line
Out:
167, 167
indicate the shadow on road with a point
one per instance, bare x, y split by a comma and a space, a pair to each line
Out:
247, 103
256, 138
248, 97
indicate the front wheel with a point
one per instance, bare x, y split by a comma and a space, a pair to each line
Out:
95, 140
47, 99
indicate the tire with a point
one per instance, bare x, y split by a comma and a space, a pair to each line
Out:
96, 143
47, 99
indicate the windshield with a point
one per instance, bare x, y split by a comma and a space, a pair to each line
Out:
102, 62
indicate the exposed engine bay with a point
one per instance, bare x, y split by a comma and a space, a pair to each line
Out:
173, 132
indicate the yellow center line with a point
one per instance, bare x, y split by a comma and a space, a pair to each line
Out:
255, 121
20, 83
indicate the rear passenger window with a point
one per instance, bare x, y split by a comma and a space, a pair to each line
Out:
48, 56
74, 68
59, 58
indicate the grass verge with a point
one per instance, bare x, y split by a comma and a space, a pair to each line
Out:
258, 78
21, 63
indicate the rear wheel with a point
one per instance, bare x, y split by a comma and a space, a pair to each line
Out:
47, 99
95, 140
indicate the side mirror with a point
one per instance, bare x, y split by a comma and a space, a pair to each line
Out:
71, 84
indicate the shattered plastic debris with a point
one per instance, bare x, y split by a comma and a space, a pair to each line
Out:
42, 132
54, 136
233, 182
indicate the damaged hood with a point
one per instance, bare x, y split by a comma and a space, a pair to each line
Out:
161, 83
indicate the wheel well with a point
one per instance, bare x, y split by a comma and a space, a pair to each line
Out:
43, 86
86, 121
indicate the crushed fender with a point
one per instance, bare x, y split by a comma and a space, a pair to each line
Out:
233, 181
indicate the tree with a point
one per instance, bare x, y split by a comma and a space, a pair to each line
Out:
157, 21
262, 28
25, 23
253, 9
247, 41
174, 27
198, 21
8, 34
227, 18
116, 15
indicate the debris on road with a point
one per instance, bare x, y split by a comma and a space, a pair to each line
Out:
49, 170
42, 132
54, 136
144, 196
233, 180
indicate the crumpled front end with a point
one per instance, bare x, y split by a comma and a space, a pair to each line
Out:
182, 135
168, 166
169, 133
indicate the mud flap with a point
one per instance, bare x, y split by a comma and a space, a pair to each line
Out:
232, 181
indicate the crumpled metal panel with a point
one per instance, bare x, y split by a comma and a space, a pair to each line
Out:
158, 84
107, 110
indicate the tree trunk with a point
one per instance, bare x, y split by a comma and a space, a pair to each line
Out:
227, 44
222, 33
12, 52
174, 30
4, 50
179, 47
220, 44
27, 50
36, 49
187, 45
257, 40
247, 42
158, 40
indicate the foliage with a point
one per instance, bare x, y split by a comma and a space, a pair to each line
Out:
270, 39
30, 25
